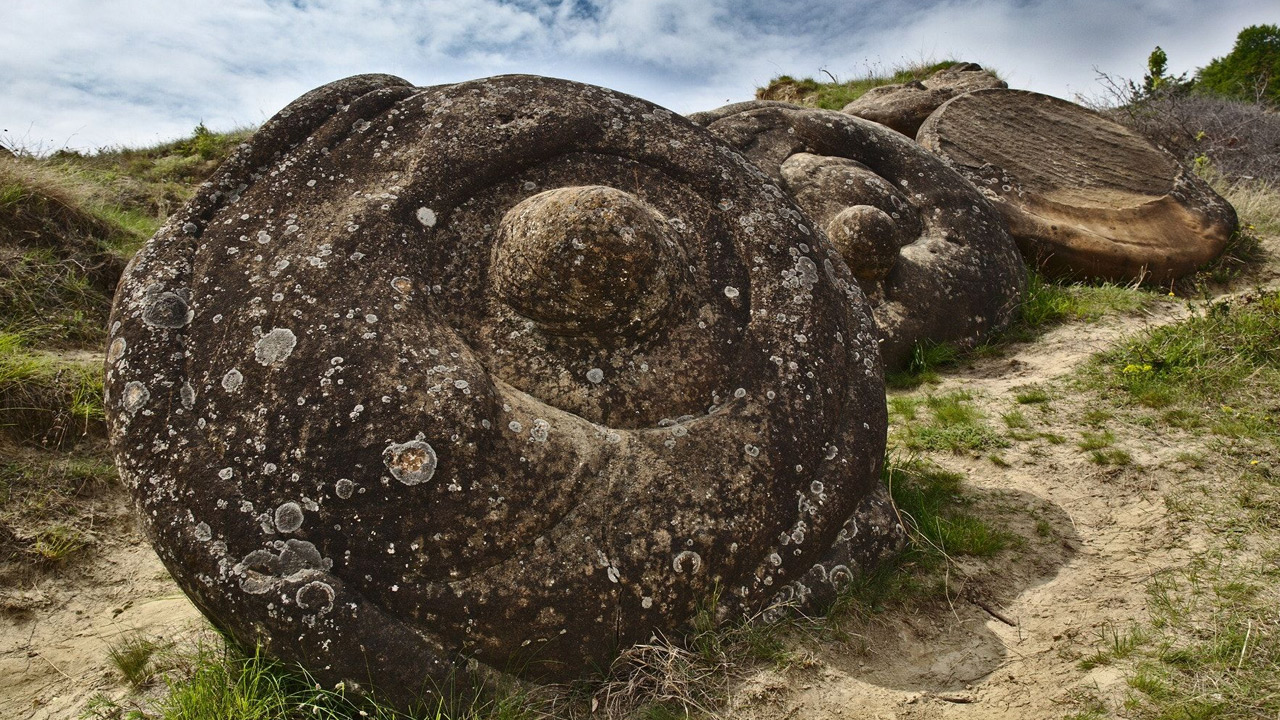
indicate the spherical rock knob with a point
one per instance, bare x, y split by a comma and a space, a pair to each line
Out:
868, 240
586, 260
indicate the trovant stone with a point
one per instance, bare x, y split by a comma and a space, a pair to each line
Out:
505, 375
933, 255
1083, 196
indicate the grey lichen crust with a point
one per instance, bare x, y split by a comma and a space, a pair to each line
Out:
932, 253
511, 372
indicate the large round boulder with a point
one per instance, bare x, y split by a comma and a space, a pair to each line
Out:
1083, 196
932, 254
507, 374
904, 106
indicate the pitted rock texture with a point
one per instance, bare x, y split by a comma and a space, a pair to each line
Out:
934, 257
1083, 196
904, 107
505, 374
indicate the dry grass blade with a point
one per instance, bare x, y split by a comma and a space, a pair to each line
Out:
665, 673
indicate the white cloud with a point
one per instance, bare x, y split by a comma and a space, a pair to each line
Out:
85, 73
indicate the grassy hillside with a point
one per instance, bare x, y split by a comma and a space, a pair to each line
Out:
834, 95
68, 225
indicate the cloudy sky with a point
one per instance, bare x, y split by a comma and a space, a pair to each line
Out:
92, 73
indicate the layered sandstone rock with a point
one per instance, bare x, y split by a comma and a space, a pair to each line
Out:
506, 374
1083, 196
933, 255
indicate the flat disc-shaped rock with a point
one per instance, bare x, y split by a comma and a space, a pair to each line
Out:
933, 255
516, 371
1083, 196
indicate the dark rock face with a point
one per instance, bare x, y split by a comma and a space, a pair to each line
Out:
933, 255
904, 107
505, 374
1083, 196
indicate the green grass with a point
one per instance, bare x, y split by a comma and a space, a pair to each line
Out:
216, 682
941, 525
69, 222
1214, 364
1031, 395
834, 95
57, 543
1114, 644
133, 655
45, 398
1213, 650
952, 423
1050, 303
1096, 441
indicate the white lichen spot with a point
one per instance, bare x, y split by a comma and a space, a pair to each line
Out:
226, 473
461, 384
832, 451
344, 488
264, 237
540, 430
203, 532
232, 380
646, 602
288, 517
740, 393
730, 292
402, 284
317, 596
515, 426
595, 376
116, 350
187, 395
371, 318
816, 487
751, 450
427, 216
411, 462
689, 556
275, 346
135, 396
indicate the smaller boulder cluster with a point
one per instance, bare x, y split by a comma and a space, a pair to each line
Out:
1082, 196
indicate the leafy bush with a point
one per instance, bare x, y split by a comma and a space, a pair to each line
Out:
1250, 72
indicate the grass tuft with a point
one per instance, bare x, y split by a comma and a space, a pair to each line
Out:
132, 655
953, 424
835, 95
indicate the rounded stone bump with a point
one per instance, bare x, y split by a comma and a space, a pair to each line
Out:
588, 259
867, 239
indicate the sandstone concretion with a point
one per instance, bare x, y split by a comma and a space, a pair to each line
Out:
1083, 196
933, 255
503, 375
905, 106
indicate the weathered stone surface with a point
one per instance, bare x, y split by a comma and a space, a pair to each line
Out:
933, 256
904, 107
515, 371
1083, 196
